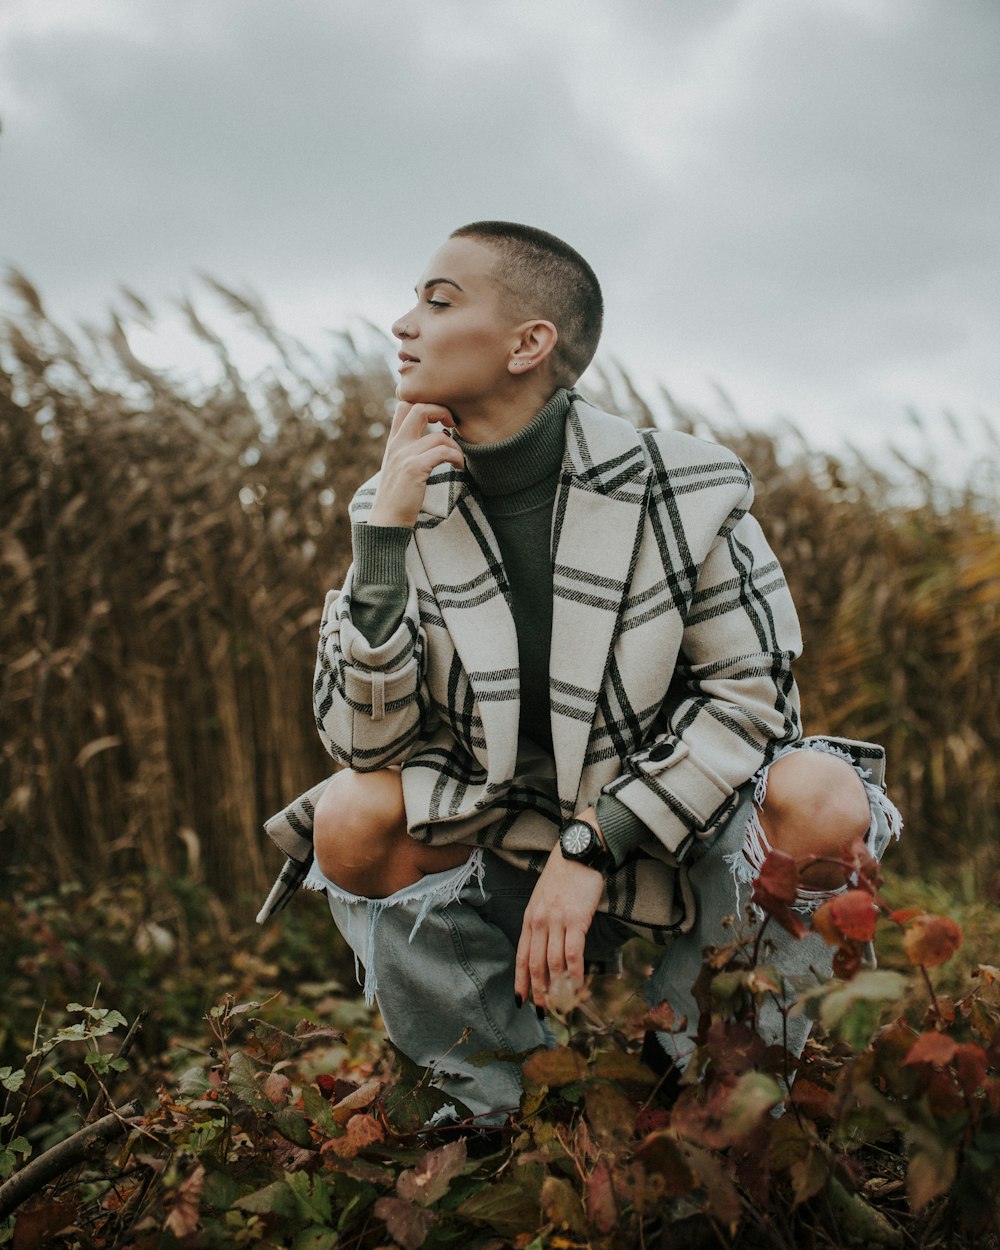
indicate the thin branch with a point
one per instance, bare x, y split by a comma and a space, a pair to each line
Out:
89, 1140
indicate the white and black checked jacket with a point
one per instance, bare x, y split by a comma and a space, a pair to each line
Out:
670, 680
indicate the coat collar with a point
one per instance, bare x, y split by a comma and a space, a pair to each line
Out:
596, 528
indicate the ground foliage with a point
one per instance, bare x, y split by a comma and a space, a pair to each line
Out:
276, 1128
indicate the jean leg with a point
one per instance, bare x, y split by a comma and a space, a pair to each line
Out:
437, 971
720, 879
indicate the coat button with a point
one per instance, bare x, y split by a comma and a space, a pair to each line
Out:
662, 751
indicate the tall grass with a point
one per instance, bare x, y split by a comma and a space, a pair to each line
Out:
165, 547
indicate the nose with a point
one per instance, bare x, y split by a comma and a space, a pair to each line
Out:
401, 329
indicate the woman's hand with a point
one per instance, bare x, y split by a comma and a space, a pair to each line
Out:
556, 922
412, 453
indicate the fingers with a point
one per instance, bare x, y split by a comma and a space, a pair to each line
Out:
543, 953
413, 419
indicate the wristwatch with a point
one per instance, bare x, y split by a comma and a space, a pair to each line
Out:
581, 842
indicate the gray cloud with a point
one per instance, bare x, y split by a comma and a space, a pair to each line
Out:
798, 201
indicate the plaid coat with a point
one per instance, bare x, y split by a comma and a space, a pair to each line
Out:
673, 634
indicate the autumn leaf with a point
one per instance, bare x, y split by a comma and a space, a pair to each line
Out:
356, 1100
362, 1131
183, 1217
407, 1224
611, 1115
561, 1205
775, 888
561, 1066
602, 1210
851, 915
928, 1176
429, 1181
933, 1047
971, 1062
931, 940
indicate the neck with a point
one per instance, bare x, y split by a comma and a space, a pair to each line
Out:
505, 414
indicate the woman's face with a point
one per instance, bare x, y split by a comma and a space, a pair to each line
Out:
456, 342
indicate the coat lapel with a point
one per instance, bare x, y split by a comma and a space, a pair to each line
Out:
596, 530
463, 562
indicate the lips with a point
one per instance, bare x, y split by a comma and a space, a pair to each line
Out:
406, 359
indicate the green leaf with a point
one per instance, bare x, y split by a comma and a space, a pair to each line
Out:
832, 1001
220, 1191
753, 1095
274, 1043
274, 1199
244, 1084
319, 1111
292, 1126
316, 1239
71, 1079
506, 1207
12, 1079
312, 1195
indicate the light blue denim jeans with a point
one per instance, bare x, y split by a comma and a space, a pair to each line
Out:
438, 957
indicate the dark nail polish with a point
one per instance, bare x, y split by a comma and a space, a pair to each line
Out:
518, 1001
540, 1012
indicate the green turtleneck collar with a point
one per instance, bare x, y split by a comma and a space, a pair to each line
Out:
523, 468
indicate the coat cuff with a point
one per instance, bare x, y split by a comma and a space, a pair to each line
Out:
676, 797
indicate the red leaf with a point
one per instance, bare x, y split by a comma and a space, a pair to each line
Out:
972, 1063
931, 940
778, 878
362, 1131
933, 1047
904, 915
825, 924
602, 1210
429, 1180
813, 1099
183, 1217
854, 913
734, 1048
944, 1098
407, 1224
846, 961
38, 1224
863, 864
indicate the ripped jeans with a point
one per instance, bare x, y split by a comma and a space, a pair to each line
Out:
438, 956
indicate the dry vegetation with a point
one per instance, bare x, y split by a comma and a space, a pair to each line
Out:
165, 548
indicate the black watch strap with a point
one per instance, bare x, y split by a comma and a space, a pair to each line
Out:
580, 842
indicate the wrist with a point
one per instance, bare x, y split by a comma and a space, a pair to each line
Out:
580, 842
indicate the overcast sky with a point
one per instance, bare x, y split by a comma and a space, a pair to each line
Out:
795, 200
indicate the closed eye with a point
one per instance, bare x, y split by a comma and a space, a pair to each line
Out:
439, 303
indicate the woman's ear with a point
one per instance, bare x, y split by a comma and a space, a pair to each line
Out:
535, 344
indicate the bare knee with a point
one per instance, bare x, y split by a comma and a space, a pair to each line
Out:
815, 803
359, 820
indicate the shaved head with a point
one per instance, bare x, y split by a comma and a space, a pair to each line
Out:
543, 277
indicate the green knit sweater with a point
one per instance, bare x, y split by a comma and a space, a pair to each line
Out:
516, 482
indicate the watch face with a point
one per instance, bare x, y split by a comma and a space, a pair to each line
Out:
577, 838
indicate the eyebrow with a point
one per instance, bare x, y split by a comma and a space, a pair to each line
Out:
439, 282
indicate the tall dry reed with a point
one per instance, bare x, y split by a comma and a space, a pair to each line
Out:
165, 548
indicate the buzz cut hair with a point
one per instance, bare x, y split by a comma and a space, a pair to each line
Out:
542, 276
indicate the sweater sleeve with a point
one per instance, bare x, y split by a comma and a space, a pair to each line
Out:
621, 829
379, 594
